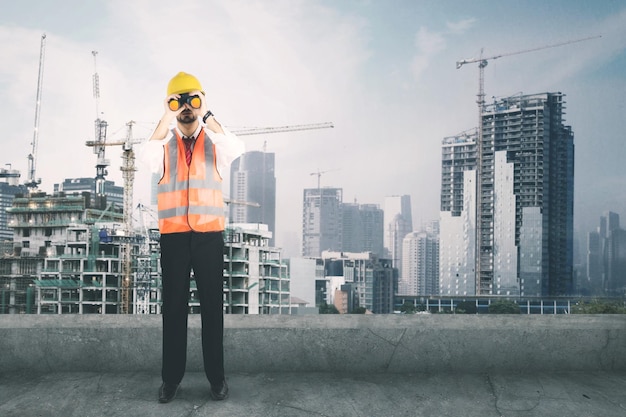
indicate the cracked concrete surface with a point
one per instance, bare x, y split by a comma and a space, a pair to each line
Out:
308, 394
352, 365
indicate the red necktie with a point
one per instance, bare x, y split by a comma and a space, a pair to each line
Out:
188, 142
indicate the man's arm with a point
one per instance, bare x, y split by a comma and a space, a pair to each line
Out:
214, 125
163, 126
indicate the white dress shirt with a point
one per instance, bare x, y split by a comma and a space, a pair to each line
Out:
228, 147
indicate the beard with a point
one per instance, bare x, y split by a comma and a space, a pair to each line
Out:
186, 117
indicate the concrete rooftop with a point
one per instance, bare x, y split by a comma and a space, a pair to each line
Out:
318, 394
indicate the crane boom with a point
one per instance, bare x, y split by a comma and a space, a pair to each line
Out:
280, 129
462, 62
32, 182
483, 255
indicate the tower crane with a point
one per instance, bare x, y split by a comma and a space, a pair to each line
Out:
128, 169
482, 63
32, 182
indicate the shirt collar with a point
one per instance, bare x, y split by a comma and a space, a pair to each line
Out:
195, 134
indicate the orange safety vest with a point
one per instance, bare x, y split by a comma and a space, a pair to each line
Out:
190, 197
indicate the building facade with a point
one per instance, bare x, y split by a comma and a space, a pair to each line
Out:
322, 224
457, 231
112, 194
398, 223
420, 263
253, 190
8, 191
303, 274
39, 225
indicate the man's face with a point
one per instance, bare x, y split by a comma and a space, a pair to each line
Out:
186, 116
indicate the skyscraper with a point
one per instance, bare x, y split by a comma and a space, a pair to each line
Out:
252, 182
523, 229
321, 220
398, 224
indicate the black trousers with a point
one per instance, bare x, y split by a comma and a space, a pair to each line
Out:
204, 254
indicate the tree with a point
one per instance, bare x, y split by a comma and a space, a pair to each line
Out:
328, 309
598, 307
359, 310
407, 308
504, 307
466, 307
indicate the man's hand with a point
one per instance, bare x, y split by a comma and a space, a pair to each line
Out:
211, 123
164, 124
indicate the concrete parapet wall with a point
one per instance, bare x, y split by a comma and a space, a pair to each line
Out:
334, 343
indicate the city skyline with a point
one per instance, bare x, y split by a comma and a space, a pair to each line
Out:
385, 76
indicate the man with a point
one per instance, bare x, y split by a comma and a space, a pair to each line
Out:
193, 156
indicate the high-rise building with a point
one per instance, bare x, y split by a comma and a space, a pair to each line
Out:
253, 190
420, 264
523, 223
594, 260
362, 228
321, 220
398, 223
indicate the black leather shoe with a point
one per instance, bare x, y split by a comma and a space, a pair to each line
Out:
167, 392
219, 391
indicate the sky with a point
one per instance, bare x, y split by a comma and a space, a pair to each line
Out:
383, 72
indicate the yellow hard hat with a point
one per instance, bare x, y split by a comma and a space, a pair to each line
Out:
183, 83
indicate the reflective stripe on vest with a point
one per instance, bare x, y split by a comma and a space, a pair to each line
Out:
190, 198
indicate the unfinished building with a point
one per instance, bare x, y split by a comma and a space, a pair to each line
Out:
68, 258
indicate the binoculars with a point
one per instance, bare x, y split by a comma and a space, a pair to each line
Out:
193, 101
